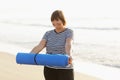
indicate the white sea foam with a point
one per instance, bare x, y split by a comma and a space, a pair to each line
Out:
97, 46
90, 45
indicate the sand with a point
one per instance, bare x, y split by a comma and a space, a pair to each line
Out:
10, 70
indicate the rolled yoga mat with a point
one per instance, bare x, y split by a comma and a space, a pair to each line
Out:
43, 59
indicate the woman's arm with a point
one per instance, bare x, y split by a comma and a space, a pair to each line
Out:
39, 47
68, 46
68, 49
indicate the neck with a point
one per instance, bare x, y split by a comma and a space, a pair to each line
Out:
60, 29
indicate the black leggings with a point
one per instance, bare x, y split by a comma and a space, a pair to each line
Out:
58, 74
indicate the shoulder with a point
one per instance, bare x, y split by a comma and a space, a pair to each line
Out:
49, 32
69, 30
69, 33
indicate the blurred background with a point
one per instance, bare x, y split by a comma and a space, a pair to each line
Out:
96, 25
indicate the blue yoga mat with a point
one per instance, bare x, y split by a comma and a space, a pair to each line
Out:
42, 59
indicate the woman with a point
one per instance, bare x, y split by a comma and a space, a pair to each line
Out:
57, 41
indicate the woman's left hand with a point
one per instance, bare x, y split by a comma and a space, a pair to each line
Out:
70, 60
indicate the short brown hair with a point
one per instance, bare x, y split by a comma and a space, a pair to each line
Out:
58, 14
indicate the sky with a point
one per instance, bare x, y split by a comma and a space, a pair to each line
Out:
71, 8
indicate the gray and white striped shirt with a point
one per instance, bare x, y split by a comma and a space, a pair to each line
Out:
56, 41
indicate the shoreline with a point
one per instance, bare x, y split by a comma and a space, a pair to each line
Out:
99, 72
12, 71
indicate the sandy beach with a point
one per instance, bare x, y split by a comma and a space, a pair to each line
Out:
9, 70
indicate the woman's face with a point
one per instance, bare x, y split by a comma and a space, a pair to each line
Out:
57, 23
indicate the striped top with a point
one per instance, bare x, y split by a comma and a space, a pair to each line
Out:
56, 41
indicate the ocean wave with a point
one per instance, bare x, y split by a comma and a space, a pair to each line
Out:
43, 25
98, 28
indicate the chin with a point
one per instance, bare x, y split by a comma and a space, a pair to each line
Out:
57, 27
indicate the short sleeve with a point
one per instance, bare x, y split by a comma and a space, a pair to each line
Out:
70, 33
45, 36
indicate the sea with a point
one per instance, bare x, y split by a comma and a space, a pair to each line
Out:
95, 40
